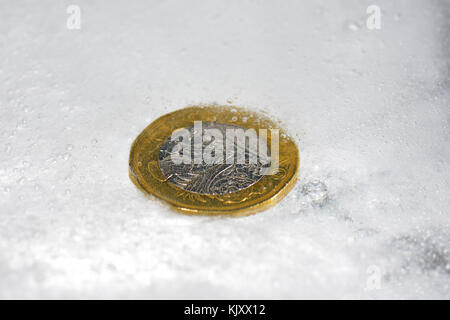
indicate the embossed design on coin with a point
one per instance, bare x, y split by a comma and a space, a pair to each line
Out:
221, 178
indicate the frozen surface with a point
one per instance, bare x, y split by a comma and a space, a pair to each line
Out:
370, 110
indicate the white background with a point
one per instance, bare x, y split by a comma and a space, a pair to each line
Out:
368, 109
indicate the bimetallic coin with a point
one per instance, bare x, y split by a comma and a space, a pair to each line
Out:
215, 160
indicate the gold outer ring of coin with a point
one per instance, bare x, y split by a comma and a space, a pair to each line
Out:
144, 168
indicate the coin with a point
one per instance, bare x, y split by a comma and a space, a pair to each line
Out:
215, 160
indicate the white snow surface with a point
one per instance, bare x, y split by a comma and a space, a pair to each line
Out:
369, 110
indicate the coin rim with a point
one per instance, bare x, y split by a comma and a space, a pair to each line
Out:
149, 178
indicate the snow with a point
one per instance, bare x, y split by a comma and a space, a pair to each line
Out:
369, 109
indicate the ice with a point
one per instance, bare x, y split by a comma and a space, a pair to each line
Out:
369, 109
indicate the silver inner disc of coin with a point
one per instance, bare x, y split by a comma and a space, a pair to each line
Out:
211, 179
